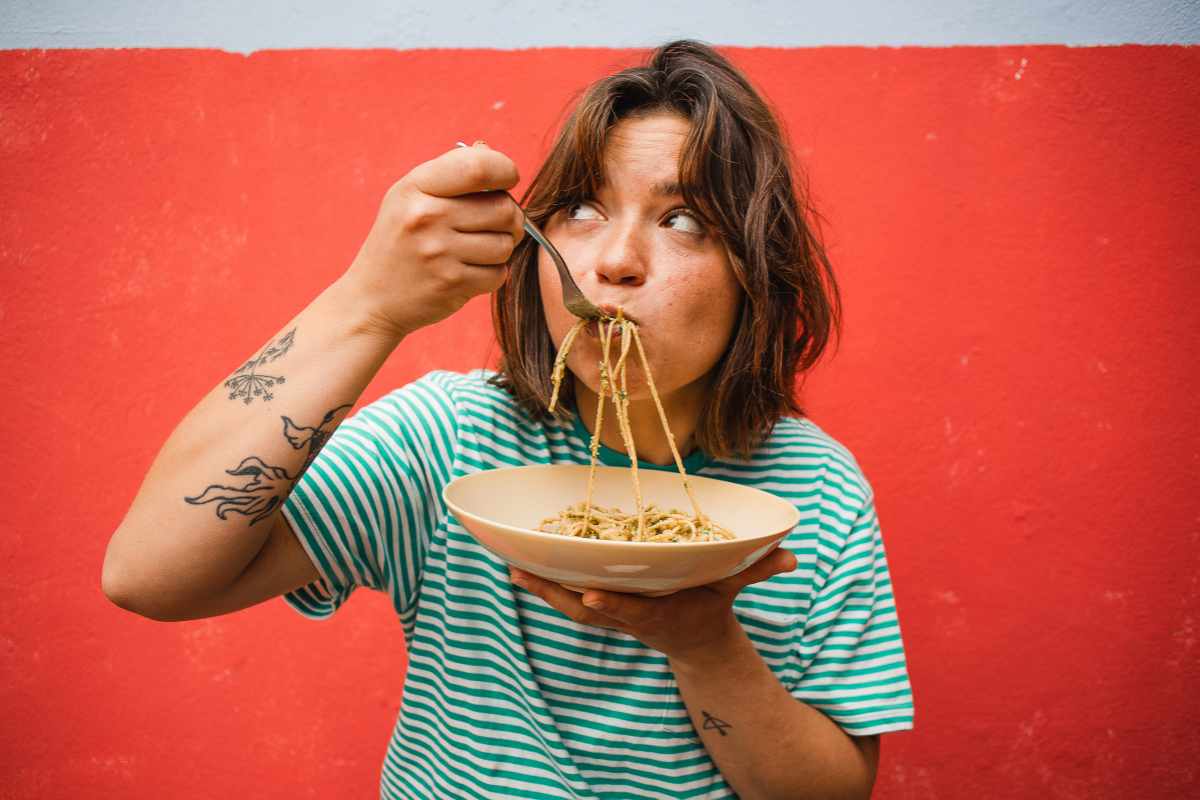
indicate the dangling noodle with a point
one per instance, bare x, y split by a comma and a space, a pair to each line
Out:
649, 523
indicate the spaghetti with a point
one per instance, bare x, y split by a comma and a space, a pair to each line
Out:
649, 523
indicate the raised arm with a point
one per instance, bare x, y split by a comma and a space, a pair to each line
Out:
204, 535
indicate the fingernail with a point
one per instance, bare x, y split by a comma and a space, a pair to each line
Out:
593, 602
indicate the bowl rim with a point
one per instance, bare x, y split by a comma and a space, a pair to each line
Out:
558, 537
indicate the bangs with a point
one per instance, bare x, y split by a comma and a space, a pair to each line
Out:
735, 172
580, 153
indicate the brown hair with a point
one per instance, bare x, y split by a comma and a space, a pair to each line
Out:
735, 170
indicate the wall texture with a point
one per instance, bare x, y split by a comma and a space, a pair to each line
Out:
1015, 229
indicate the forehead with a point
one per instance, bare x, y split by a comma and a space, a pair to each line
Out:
645, 149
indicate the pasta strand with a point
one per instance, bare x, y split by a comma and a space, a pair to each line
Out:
647, 523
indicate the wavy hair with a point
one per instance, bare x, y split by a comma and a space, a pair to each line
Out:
736, 171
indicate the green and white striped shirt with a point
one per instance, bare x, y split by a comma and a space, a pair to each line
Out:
505, 697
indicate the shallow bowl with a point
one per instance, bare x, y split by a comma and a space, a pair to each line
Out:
502, 508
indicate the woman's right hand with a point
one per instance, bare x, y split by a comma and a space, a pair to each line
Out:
443, 235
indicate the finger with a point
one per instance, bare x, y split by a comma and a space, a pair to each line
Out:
481, 249
631, 609
777, 561
465, 170
562, 598
488, 211
481, 278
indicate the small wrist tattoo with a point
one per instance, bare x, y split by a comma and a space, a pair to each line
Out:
711, 723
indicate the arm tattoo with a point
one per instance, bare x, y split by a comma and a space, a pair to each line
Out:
712, 723
247, 384
258, 497
268, 485
315, 438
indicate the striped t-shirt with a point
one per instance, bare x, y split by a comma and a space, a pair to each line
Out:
505, 697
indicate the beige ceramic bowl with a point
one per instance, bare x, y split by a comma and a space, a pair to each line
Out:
503, 507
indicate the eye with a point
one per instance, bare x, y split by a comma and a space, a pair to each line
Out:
583, 211
685, 221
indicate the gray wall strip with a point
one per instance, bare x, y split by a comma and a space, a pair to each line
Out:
242, 26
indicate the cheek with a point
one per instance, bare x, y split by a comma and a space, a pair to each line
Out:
698, 316
712, 294
726, 297
718, 300
731, 302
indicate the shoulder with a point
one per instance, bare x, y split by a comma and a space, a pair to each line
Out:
801, 462
799, 449
445, 386
470, 398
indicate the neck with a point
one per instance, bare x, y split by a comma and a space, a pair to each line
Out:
683, 409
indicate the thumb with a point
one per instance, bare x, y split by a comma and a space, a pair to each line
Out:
777, 561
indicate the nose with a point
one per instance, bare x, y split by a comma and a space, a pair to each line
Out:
621, 258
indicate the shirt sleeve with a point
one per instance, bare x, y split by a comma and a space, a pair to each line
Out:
366, 508
855, 668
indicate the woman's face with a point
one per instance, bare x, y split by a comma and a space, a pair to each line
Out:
635, 245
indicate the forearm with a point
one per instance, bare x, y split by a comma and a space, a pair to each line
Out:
206, 505
766, 743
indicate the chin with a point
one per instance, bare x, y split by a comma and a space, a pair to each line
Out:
639, 389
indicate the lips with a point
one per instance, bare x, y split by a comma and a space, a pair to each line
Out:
610, 309
593, 330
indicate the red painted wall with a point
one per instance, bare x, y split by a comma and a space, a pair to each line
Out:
1015, 229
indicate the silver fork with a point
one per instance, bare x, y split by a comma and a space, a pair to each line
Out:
573, 299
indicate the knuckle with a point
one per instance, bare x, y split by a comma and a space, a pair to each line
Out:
419, 213
395, 192
447, 281
428, 248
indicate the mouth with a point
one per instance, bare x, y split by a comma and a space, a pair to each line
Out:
592, 329
610, 311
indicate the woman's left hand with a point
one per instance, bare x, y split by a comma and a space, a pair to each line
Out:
679, 625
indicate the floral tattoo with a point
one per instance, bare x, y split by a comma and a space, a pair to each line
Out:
247, 384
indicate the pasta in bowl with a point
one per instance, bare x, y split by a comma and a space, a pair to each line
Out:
504, 508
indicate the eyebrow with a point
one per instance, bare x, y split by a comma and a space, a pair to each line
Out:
658, 188
666, 189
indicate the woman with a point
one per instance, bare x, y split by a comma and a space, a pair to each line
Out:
670, 194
